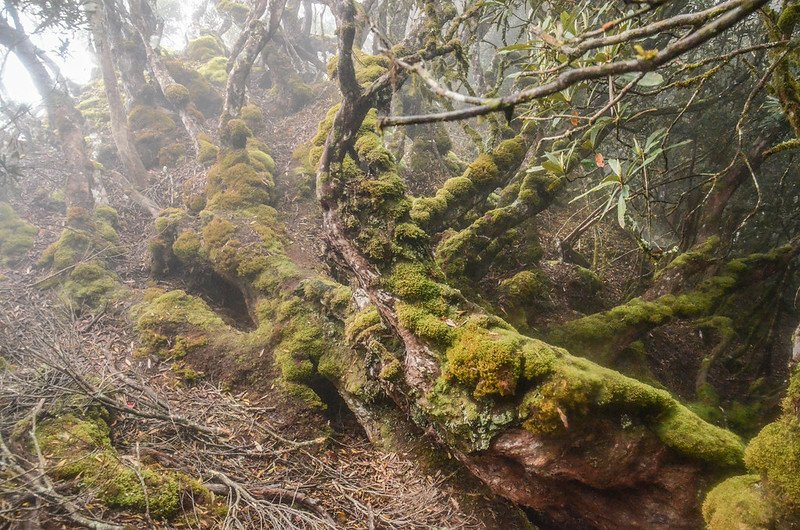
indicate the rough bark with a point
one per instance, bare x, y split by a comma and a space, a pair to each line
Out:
127, 53
131, 161
257, 35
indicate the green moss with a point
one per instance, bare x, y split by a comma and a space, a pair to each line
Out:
187, 247
526, 287
236, 10
362, 323
699, 255
16, 235
79, 448
215, 71
204, 96
236, 133
737, 503
425, 325
177, 95
207, 151
171, 155
152, 128
368, 67
685, 432
775, 455
204, 48
486, 360
90, 284
253, 117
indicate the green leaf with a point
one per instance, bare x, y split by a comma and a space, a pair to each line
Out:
651, 79
622, 205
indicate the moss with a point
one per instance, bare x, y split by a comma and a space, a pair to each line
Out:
177, 95
16, 235
90, 284
368, 67
171, 155
697, 256
737, 502
236, 133
152, 128
207, 151
238, 11
79, 448
257, 151
775, 455
215, 71
685, 432
204, 48
425, 325
525, 287
187, 247
204, 96
362, 323
253, 117
485, 360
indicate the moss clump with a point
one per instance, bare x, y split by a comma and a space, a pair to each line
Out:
153, 128
90, 284
738, 503
215, 71
79, 447
486, 360
253, 117
204, 96
237, 180
171, 155
526, 287
775, 455
204, 48
16, 235
368, 67
236, 133
207, 152
236, 10
177, 95
174, 323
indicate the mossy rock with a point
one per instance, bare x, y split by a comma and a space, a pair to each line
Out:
207, 150
16, 235
253, 117
738, 502
152, 128
90, 284
177, 95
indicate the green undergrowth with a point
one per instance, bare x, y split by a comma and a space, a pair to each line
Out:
16, 235
78, 447
80, 259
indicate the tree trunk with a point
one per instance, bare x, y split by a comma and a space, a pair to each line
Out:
131, 161
62, 115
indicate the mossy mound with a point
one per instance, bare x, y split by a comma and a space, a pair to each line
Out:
238, 11
173, 324
253, 117
153, 128
78, 447
738, 503
204, 48
81, 256
207, 150
215, 71
16, 235
204, 96
171, 155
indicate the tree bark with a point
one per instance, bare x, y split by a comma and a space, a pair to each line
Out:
131, 161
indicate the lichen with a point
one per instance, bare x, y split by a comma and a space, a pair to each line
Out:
16, 235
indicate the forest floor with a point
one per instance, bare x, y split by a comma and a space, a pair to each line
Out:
324, 456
